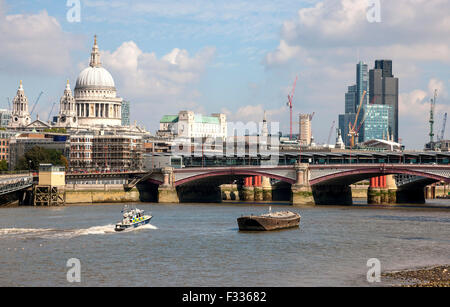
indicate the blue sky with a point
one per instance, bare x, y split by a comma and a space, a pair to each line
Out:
237, 57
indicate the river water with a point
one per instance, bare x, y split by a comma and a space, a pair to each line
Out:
200, 245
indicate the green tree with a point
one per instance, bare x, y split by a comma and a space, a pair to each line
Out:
3, 166
38, 155
56, 130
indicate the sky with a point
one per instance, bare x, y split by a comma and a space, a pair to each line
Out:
236, 57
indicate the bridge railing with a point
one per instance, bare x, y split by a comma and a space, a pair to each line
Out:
10, 173
15, 184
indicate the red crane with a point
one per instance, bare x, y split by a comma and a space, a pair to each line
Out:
290, 98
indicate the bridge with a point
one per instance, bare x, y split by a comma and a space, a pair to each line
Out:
325, 180
13, 185
310, 183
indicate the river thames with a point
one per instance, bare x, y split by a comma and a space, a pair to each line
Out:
200, 245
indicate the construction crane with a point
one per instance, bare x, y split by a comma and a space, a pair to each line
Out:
352, 130
433, 105
9, 103
50, 114
37, 100
289, 103
441, 136
331, 131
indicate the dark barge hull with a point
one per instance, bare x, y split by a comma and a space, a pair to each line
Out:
259, 223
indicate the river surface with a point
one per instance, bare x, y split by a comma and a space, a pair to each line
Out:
200, 245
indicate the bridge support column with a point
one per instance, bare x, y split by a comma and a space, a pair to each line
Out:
167, 193
384, 190
229, 192
430, 191
248, 192
302, 194
374, 191
267, 189
257, 187
392, 189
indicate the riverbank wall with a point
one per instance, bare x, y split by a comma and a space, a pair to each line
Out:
99, 193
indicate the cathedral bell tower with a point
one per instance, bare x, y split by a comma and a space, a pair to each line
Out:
20, 115
67, 116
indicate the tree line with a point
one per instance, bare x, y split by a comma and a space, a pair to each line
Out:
35, 156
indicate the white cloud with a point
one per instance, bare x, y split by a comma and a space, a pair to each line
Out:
35, 42
324, 42
409, 30
254, 113
157, 86
238, 19
414, 110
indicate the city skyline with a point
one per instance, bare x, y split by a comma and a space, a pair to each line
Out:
239, 73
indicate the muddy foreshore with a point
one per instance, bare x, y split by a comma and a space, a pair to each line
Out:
436, 276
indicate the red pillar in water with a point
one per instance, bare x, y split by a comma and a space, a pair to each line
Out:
257, 181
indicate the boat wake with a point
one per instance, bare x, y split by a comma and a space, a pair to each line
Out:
49, 233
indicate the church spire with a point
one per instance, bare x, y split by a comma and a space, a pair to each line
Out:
95, 55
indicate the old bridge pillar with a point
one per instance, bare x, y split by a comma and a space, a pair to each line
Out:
392, 189
257, 187
248, 192
382, 190
374, 191
301, 191
167, 192
266, 189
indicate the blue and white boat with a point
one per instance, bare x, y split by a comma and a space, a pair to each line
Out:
132, 218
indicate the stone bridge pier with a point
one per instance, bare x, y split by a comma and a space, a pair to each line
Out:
167, 192
302, 194
382, 190
256, 188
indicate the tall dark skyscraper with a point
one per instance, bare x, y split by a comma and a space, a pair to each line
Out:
385, 66
362, 81
352, 100
383, 89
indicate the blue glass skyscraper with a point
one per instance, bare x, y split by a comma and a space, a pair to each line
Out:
376, 124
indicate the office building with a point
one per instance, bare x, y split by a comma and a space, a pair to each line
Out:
5, 118
344, 121
376, 124
383, 90
305, 134
23, 142
362, 83
189, 125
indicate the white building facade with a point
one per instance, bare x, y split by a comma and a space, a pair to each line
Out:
188, 124
95, 98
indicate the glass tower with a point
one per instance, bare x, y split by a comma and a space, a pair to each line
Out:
376, 125
384, 88
362, 82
